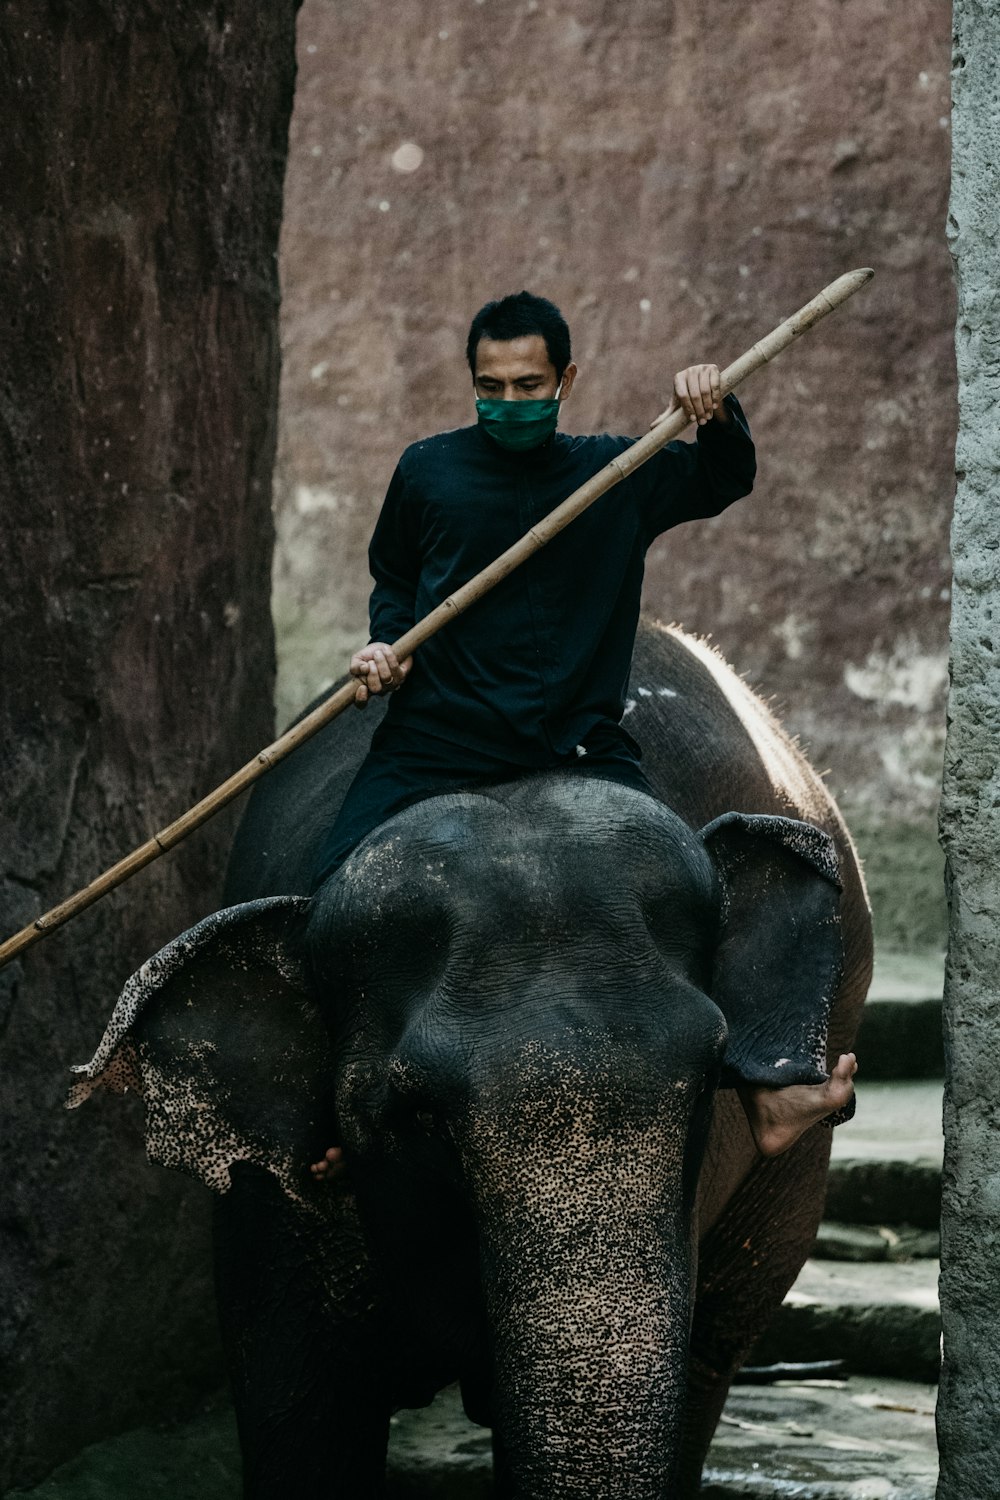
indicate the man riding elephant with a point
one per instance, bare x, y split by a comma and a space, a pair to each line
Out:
536, 677
520, 980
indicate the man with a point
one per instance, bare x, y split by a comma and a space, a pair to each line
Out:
536, 674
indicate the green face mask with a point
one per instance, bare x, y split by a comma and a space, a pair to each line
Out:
519, 425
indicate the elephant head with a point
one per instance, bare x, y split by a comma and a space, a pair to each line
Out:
516, 1004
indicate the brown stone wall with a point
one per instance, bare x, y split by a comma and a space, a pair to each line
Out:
142, 163
678, 179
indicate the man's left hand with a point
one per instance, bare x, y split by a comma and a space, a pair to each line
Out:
698, 391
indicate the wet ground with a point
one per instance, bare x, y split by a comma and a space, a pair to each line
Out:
863, 1439
859, 1439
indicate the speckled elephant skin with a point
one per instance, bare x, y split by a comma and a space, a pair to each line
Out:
520, 1010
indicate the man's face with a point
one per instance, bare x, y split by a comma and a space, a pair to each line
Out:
518, 370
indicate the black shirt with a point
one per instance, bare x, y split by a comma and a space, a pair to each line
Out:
539, 663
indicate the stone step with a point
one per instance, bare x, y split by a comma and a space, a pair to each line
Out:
901, 1039
881, 1319
861, 1242
907, 976
885, 1167
895, 1193
900, 1034
895, 1121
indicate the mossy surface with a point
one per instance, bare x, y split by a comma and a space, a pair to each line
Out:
904, 871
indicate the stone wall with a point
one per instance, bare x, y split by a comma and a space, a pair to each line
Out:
141, 158
678, 180
968, 1429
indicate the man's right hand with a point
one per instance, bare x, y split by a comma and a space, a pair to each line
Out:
377, 671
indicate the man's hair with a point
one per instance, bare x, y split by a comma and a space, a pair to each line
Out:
516, 316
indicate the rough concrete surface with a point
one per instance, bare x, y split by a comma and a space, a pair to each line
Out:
142, 168
901, 1039
896, 1120
970, 817
862, 1243
900, 1036
882, 1319
860, 1439
885, 1167
907, 976
678, 180
883, 1190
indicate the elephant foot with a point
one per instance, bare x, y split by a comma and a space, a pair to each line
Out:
331, 1167
777, 1117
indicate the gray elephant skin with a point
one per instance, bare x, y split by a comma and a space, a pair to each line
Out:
511, 1007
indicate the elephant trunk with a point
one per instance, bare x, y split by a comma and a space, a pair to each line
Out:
586, 1265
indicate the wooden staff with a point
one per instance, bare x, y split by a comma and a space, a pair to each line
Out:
664, 430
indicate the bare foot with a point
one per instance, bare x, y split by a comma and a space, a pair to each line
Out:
778, 1117
331, 1167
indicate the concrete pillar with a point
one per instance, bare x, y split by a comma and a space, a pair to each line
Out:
968, 1429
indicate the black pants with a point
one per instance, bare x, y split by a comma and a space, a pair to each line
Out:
403, 766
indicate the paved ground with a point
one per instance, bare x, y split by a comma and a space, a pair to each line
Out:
913, 1284
895, 1120
856, 1440
907, 976
864, 1439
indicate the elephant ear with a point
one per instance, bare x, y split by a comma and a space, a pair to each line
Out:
779, 956
220, 1034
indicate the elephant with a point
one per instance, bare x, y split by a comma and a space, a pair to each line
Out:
521, 1010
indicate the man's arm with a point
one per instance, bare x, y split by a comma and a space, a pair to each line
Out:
688, 481
394, 565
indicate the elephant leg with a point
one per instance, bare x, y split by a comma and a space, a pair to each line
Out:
310, 1419
748, 1261
502, 1479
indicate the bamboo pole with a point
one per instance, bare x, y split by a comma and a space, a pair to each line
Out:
666, 427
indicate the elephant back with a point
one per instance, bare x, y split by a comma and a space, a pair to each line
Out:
711, 746
290, 809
